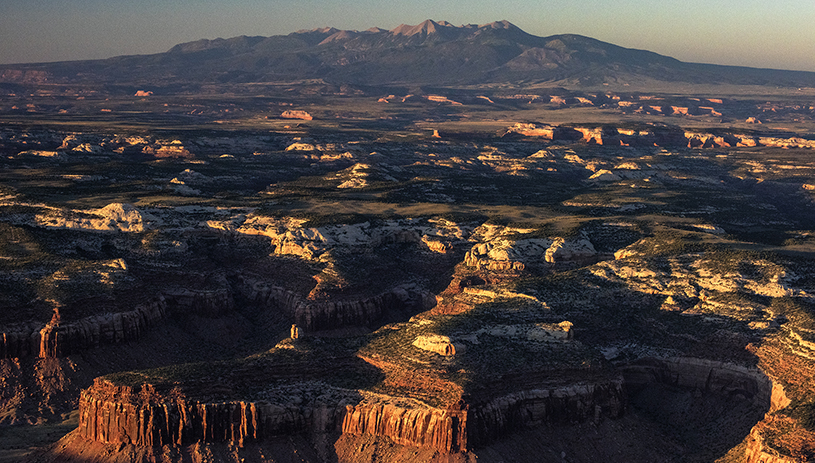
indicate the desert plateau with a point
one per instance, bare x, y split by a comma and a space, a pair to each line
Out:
434, 243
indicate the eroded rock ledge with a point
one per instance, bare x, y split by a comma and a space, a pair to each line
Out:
317, 315
57, 339
705, 375
141, 416
114, 414
575, 403
719, 378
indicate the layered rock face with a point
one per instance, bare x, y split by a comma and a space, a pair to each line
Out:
442, 430
118, 415
123, 415
554, 406
705, 375
330, 314
113, 414
58, 339
211, 303
318, 315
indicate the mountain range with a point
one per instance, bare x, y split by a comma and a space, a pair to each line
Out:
431, 53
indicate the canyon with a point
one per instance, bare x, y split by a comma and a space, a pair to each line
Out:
201, 405
520, 265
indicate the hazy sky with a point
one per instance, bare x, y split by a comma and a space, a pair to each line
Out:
760, 33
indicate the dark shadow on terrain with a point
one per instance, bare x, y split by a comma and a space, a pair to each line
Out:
691, 425
704, 426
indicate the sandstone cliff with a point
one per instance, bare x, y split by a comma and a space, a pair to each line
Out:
665, 137
143, 417
318, 315
545, 406
290, 238
505, 249
704, 375
57, 339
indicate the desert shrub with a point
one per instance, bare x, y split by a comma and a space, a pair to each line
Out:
797, 311
803, 412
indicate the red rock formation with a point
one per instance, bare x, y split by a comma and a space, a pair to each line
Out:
142, 417
757, 451
294, 114
58, 339
442, 430
124, 415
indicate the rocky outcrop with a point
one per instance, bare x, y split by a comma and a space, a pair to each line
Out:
173, 149
124, 415
656, 136
319, 315
696, 285
757, 451
705, 375
203, 303
58, 339
113, 217
289, 237
579, 249
442, 99
442, 345
575, 403
499, 251
442, 430
295, 114
142, 417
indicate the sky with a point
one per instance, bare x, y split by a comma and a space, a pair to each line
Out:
776, 34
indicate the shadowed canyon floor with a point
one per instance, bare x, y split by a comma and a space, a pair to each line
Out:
446, 274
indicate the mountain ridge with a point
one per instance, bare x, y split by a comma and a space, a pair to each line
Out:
430, 53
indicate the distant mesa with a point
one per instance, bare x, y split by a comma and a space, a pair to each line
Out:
143, 93
442, 99
294, 114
